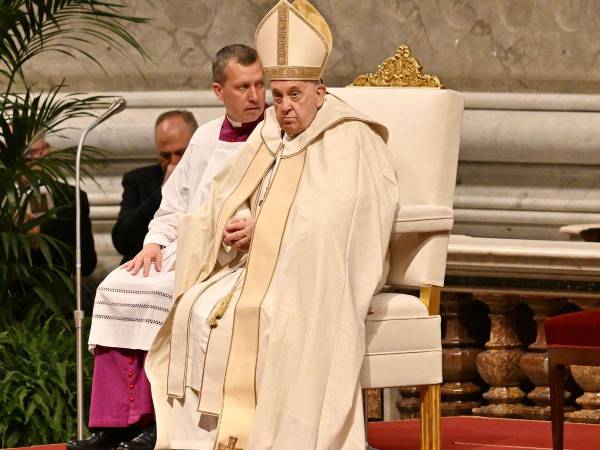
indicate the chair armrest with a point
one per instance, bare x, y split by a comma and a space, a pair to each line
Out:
423, 219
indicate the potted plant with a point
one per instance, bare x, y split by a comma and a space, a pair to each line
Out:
35, 278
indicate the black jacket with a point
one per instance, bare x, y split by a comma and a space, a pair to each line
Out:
63, 228
141, 199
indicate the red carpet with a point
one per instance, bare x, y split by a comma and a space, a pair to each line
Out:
480, 433
471, 433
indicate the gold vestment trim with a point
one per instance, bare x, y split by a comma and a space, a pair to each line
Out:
176, 373
293, 73
239, 390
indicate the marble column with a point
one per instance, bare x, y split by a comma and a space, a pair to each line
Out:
498, 365
588, 379
534, 363
459, 394
375, 404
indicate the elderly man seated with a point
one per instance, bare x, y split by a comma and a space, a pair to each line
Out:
263, 349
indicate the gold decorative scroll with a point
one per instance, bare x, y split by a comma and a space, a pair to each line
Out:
403, 70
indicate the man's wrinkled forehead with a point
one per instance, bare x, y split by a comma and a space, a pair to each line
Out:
285, 86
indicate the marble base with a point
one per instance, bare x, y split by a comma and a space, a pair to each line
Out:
504, 402
409, 404
459, 398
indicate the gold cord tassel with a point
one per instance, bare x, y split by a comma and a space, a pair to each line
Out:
219, 310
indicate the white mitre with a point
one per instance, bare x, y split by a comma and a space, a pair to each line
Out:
293, 42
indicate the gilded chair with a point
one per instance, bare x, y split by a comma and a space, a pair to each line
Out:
403, 330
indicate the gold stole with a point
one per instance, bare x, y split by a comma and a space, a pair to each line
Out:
180, 339
239, 391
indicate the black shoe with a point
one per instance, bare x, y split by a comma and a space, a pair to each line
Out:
103, 439
146, 440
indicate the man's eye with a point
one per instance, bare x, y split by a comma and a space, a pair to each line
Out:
277, 99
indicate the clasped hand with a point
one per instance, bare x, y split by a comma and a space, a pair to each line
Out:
237, 234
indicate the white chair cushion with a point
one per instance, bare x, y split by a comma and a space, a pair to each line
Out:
400, 323
404, 344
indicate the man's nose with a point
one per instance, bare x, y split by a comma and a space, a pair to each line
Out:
286, 104
252, 95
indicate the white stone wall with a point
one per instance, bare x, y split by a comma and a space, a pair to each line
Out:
473, 45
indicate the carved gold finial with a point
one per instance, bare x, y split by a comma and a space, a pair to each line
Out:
230, 445
403, 70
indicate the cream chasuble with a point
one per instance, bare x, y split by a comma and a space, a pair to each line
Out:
281, 368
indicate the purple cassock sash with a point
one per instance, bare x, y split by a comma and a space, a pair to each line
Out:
121, 395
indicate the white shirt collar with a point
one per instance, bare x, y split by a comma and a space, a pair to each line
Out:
233, 123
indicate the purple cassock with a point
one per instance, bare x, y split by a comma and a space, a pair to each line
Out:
121, 395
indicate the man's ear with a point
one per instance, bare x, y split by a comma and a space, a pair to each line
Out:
218, 90
321, 91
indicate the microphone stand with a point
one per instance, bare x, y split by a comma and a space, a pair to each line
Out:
116, 107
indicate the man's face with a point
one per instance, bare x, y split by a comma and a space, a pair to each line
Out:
296, 103
172, 137
38, 149
243, 91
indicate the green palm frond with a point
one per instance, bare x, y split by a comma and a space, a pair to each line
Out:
36, 355
27, 119
29, 27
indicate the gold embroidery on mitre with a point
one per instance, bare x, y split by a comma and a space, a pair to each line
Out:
293, 73
230, 444
283, 31
276, 52
403, 70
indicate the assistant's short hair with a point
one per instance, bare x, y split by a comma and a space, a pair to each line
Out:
187, 117
240, 53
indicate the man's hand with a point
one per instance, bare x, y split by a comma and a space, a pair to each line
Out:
145, 258
35, 230
238, 233
168, 171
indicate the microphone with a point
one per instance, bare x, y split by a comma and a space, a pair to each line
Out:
115, 108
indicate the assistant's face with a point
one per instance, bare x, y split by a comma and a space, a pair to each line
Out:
296, 103
172, 137
243, 91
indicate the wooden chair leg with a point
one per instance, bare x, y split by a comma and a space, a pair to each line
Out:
557, 398
430, 417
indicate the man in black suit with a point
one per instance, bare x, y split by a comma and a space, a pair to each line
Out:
62, 227
142, 187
